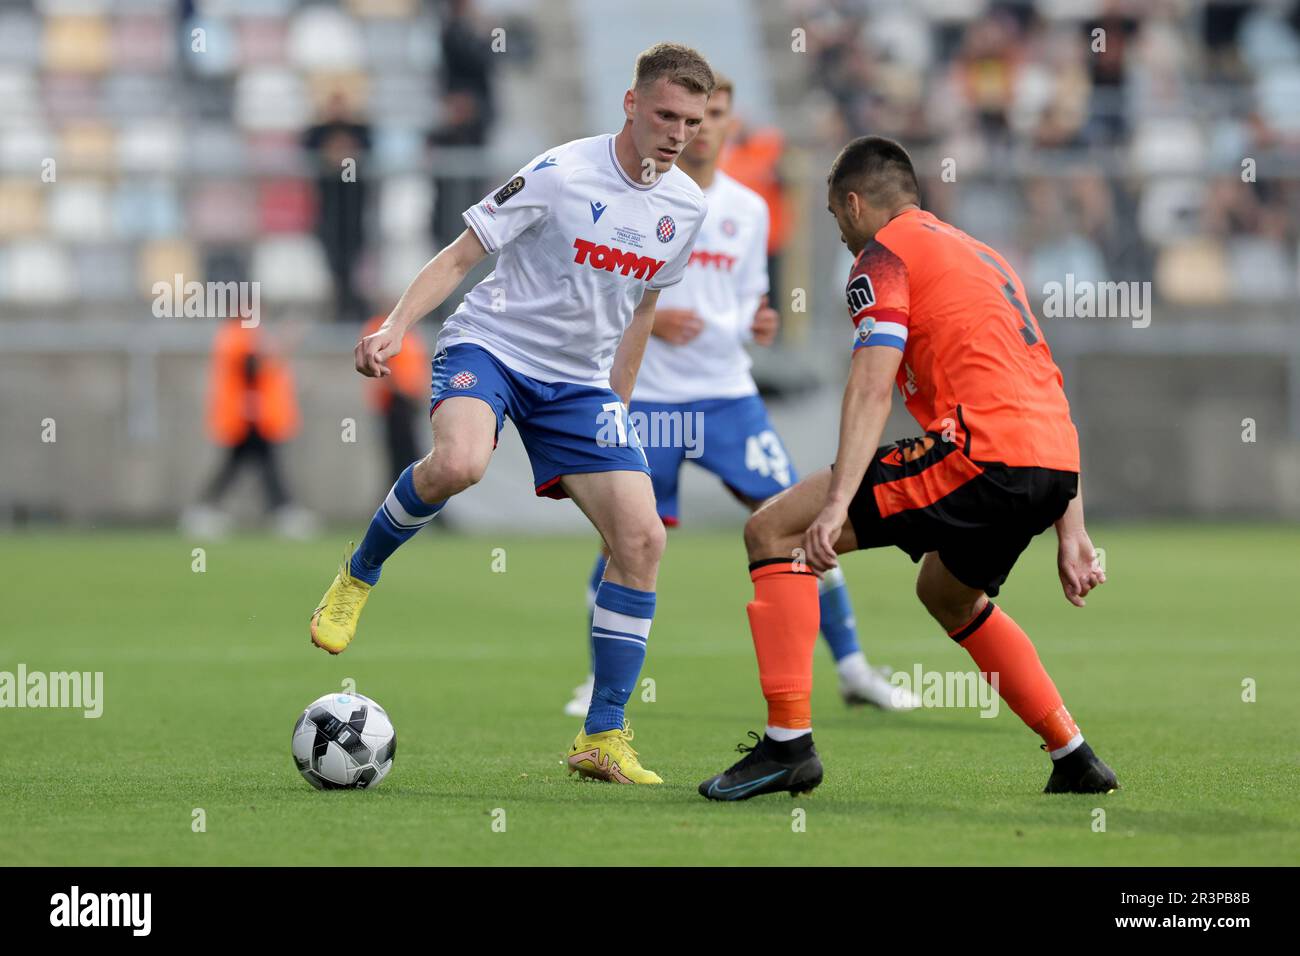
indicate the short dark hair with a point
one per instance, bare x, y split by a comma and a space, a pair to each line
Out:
681, 64
877, 169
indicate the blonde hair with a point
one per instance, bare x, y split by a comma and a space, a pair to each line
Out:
681, 64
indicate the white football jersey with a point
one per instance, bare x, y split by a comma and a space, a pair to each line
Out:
579, 245
725, 280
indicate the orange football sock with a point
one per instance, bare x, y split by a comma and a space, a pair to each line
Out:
1001, 648
784, 617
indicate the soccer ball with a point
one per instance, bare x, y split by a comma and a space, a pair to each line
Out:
344, 742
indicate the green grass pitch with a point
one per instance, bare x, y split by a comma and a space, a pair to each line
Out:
205, 673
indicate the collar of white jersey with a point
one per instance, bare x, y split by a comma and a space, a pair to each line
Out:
613, 159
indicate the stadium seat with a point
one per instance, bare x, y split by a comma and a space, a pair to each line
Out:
79, 209
25, 148
1261, 269
23, 202
271, 98
128, 96
405, 204
38, 272
263, 41
104, 273
88, 145
215, 148
70, 96
1169, 208
223, 211
291, 268
163, 259
1192, 272
151, 146
323, 38
285, 205
1167, 145
147, 209
20, 39
21, 93
77, 44
143, 42
397, 149
399, 261
210, 46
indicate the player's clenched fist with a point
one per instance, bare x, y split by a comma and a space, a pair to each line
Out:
373, 351
677, 326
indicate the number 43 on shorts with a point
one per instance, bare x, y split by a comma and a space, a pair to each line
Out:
764, 454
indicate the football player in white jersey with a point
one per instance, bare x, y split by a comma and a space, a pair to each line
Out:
695, 398
588, 234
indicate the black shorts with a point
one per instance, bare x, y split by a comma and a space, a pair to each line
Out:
925, 494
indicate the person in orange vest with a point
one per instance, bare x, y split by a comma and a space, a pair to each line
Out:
399, 399
753, 158
252, 410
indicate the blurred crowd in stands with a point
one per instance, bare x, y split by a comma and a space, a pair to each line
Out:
1111, 139
286, 142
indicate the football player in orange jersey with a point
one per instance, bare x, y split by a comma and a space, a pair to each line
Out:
945, 317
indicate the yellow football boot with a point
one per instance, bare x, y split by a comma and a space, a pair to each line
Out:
609, 756
334, 623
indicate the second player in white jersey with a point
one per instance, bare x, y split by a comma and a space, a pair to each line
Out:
724, 283
580, 242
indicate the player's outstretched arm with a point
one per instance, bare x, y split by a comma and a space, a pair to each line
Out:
431, 286
1076, 559
631, 349
865, 409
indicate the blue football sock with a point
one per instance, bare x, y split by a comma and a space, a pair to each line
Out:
398, 518
619, 629
597, 575
838, 626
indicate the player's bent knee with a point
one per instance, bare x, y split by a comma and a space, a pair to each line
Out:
445, 472
639, 550
762, 538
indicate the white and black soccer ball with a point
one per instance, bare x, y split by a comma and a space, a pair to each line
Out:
344, 742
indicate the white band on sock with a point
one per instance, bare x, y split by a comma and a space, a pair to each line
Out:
783, 734
830, 580
402, 518
1069, 748
628, 628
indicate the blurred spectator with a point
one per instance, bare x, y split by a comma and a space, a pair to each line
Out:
468, 113
338, 145
401, 401
252, 410
753, 157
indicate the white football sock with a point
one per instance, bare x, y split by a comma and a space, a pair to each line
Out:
783, 734
852, 667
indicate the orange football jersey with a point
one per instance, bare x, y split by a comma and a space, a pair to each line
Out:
974, 360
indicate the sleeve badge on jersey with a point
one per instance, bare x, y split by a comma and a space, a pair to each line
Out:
666, 229
864, 330
508, 190
860, 294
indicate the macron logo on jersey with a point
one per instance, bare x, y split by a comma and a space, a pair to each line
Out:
610, 258
548, 161
717, 260
596, 209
